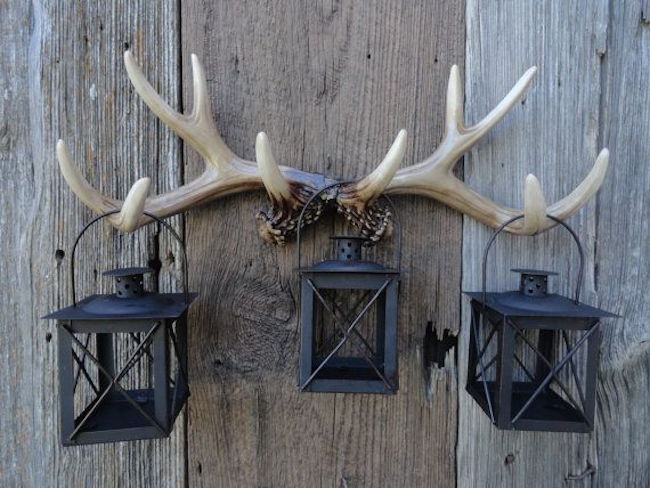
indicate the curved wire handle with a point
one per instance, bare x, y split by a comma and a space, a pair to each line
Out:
398, 250
514, 219
153, 217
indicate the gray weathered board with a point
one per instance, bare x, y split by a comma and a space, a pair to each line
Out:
331, 83
62, 76
591, 91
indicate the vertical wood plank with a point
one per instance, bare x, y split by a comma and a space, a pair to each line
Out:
553, 134
331, 83
63, 77
623, 251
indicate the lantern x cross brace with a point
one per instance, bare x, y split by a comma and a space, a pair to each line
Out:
113, 380
345, 317
81, 362
554, 371
181, 368
486, 367
483, 367
346, 335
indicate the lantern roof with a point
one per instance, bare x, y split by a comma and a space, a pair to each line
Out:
533, 300
338, 266
151, 305
131, 301
516, 304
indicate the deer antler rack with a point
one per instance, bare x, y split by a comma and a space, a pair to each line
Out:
289, 189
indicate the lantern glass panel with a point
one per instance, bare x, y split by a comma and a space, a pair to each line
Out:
536, 378
348, 335
121, 380
366, 343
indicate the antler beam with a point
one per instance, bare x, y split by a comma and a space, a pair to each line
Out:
288, 188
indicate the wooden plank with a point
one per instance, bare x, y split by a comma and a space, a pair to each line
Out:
331, 83
63, 77
553, 134
623, 252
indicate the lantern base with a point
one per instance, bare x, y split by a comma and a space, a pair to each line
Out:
115, 419
349, 375
548, 412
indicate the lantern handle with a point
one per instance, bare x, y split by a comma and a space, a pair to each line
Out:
151, 216
397, 258
514, 219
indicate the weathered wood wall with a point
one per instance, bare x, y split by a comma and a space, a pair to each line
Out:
63, 77
591, 92
553, 134
331, 83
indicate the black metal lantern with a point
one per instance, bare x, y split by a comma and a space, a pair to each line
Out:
534, 377
339, 350
101, 398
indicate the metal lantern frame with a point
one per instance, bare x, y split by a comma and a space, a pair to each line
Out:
376, 369
532, 404
156, 333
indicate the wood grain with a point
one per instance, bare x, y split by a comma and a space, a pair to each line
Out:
555, 135
623, 252
331, 83
63, 77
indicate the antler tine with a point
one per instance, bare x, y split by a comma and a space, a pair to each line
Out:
534, 206
469, 136
197, 128
536, 210
365, 191
570, 204
457, 140
288, 190
277, 187
130, 210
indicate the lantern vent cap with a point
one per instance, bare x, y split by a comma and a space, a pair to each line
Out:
348, 248
534, 272
129, 282
533, 282
128, 271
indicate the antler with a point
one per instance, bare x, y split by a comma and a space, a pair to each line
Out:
226, 173
434, 176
